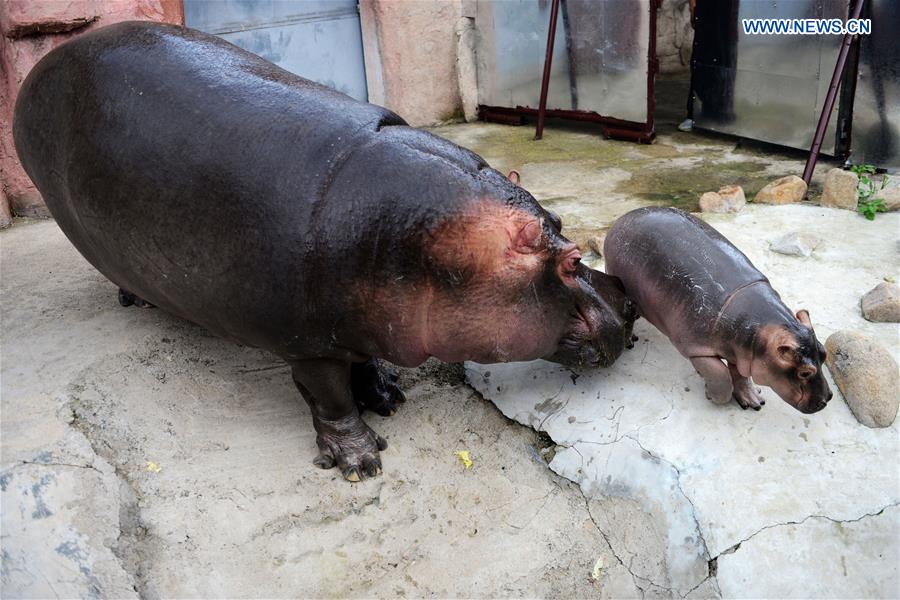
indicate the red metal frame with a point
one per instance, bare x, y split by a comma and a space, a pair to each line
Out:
830, 98
613, 128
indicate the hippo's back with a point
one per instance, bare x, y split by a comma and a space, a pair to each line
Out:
675, 267
224, 189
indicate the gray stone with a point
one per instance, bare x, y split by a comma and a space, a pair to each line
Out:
866, 374
795, 243
785, 190
841, 189
729, 198
882, 303
890, 196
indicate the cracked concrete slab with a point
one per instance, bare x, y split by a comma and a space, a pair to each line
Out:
231, 506
707, 478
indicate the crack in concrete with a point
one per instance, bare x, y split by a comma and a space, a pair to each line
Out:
129, 556
735, 547
634, 576
59, 464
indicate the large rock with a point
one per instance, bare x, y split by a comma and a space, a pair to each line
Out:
890, 196
866, 374
841, 189
786, 190
728, 199
882, 303
796, 243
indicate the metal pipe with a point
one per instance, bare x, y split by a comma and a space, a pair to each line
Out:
545, 80
829, 98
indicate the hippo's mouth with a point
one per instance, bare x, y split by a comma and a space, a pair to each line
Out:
580, 347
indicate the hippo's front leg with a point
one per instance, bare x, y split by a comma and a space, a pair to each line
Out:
717, 377
341, 435
745, 393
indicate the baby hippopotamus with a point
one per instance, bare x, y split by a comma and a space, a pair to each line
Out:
285, 215
717, 309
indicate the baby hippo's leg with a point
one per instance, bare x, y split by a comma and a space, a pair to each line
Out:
745, 393
717, 377
375, 388
342, 437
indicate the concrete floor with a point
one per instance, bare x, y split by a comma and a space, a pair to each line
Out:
141, 456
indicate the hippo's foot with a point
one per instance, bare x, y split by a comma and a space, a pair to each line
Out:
375, 388
126, 298
349, 444
746, 394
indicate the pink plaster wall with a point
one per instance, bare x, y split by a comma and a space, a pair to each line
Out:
411, 53
28, 30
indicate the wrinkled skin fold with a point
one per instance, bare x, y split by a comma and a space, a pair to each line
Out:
279, 213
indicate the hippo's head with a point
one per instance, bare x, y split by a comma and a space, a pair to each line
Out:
788, 359
525, 291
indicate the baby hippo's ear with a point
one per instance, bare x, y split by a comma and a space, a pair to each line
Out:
781, 348
803, 317
513, 176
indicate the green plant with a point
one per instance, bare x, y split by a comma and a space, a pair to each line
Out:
868, 207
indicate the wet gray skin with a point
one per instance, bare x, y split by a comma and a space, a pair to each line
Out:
279, 213
718, 310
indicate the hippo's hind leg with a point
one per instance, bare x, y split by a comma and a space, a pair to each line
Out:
745, 393
717, 377
375, 388
341, 435
126, 298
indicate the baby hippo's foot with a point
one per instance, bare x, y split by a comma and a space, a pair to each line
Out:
350, 444
375, 388
126, 298
746, 394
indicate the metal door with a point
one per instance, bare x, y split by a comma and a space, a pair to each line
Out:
317, 39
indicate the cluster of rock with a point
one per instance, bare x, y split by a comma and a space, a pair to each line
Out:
864, 371
786, 190
841, 190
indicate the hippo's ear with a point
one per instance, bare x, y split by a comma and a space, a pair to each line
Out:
528, 239
803, 317
781, 347
513, 176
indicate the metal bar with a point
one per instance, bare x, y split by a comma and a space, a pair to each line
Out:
545, 80
829, 98
652, 70
574, 115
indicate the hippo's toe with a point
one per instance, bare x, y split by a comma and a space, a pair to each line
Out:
747, 395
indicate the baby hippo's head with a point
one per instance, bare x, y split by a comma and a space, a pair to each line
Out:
788, 359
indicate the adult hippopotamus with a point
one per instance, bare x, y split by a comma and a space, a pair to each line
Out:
282, 214
718, 310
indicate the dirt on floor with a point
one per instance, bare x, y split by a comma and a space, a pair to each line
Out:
143, 456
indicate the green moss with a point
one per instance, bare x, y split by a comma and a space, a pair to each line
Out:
682, 186
517, 146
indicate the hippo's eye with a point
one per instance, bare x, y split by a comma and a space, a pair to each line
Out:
570, 262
